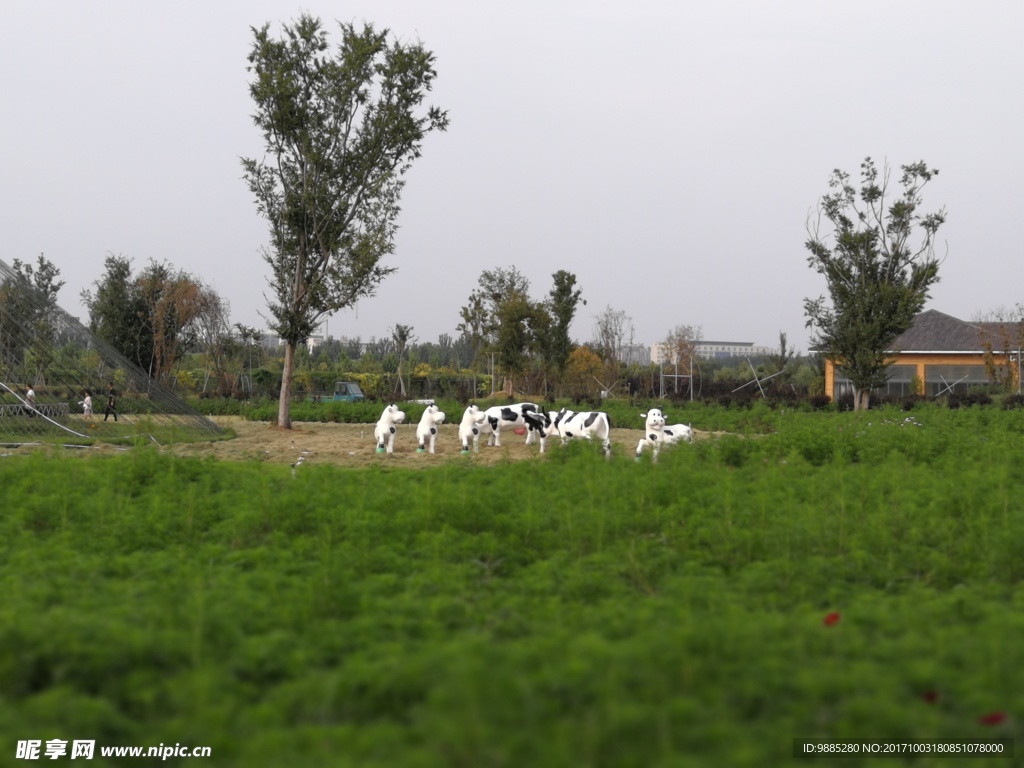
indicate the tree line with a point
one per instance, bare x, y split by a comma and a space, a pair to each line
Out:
342, 124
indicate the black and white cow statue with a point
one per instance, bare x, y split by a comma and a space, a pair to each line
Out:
520, 415
568, 424
469, 428
656, 434
384, 431
426, 431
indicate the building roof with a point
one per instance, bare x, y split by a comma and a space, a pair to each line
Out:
934, 331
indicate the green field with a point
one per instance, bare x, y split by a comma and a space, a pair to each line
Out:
846, 576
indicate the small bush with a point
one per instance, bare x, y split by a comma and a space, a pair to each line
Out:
819, 402
1013, 401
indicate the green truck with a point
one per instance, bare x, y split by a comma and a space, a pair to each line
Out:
347, 391
344, 391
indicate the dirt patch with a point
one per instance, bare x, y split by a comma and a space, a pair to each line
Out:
353, 445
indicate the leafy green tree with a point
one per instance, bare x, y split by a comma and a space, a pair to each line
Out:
877, 275
563, 301
475, 328
780, 359
27, 296
340, 129
117, 311
514, 339
152, 317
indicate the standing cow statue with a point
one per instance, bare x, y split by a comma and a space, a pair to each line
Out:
384, 431
469, 428
568, 424
426, 431
656, 434
519, 416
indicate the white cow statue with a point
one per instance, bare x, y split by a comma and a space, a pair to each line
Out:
656, 434
427, 429
469, 428
586, 424
520, 415
385, 429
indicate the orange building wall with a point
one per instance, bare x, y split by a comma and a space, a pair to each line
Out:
920, 360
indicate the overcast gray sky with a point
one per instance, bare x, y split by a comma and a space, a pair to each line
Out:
666, 152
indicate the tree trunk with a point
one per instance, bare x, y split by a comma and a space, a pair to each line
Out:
284, 419
861, 398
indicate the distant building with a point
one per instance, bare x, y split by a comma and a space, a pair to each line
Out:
712, 350
715, 349
939, 354
635, 353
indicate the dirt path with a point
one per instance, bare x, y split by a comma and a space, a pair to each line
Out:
353, 445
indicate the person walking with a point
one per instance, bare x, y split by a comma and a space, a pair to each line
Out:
87, 405
111, 407
30, 398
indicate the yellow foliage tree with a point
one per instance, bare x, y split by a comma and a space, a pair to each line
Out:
581, 372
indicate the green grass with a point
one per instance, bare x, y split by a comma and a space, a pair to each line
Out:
559, 612
161, 430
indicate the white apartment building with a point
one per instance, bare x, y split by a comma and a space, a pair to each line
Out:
712, 350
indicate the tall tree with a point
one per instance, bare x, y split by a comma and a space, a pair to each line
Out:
151, 317
564, 298
515, 320
27, 297
613, 332
403, 337
679, 349
475, 328
173, 300
340, 131
483, 315
877, 272
117, 312
212, 334
780, 359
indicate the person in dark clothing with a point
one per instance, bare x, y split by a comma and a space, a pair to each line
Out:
111, 406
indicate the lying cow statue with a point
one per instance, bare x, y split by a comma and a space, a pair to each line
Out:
656, 434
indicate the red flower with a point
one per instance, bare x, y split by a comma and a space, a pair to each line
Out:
930, 696
830, 619
992, 718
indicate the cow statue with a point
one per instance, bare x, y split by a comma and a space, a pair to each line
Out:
385, 428
519, 416
586, 424
469, 428
427, 428
656, 434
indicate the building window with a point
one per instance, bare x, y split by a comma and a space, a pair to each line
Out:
899, 383
945, 379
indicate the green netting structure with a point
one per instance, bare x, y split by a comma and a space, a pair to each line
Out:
48, 357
